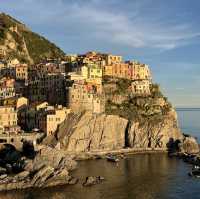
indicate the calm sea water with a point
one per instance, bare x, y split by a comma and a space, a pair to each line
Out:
189, 121
150, 176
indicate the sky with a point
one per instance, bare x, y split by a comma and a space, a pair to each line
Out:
163, 34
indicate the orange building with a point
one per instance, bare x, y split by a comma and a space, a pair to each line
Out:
120, 70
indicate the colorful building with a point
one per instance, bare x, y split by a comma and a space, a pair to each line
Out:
51, 117
22, 72
112, 59
119, 70
8, 117
140, 88
85, 96
7, 88
139, 71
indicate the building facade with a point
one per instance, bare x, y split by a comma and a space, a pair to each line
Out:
7, 88
21, 72
141, 88
8, 117
83, 96
51, 118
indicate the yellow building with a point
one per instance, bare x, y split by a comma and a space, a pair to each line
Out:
22, 72
52, 118
111, 59
17, 102
140, 71
8, 116
92, 73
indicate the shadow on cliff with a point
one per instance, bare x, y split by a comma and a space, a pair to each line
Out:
173, 146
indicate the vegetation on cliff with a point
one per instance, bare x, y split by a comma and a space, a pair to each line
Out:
152, 106
17, 41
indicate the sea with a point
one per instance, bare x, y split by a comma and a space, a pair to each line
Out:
140, 176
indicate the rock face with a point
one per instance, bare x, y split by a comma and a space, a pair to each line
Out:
92, 133
49, 168
154, 134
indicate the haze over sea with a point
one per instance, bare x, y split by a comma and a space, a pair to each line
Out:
141, 176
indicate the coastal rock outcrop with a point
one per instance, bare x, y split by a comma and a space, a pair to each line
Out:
92, 133
154, 133
88, 132
50, 167
190, 145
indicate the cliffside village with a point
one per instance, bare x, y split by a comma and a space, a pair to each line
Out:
35, 100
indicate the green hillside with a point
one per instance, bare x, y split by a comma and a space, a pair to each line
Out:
17, 41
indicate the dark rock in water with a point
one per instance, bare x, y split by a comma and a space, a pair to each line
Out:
92, 180
73, 181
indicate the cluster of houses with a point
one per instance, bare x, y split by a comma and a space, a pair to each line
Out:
88, 72
35, 100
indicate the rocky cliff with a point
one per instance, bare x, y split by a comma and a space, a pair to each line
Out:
91, 133
18, 42
50, 167
137, 122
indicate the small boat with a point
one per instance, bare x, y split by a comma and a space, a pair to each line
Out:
112, 158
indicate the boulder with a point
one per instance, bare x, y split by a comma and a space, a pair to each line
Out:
41, 176
73, 181
54, 158
60, 178
24, 175
93, 180
190, 145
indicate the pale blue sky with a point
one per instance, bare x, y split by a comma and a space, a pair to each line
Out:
162, 33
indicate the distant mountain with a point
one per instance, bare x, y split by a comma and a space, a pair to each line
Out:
17, 41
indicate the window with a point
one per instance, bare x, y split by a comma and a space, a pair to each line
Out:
3, 140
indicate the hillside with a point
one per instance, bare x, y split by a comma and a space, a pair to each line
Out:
17, 41
119, 101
